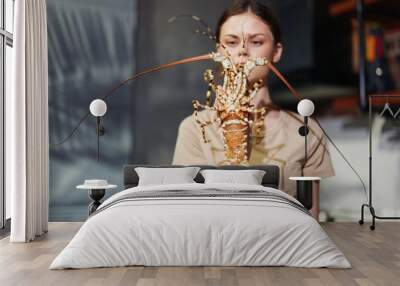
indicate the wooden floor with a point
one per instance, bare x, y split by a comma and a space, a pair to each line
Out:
375, 257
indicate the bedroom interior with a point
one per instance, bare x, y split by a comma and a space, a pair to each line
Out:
95, 168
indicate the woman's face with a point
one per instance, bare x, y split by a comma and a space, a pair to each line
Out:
247, 36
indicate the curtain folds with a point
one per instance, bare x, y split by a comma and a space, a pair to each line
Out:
27, 124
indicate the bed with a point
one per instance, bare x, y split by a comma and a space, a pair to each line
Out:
198, 224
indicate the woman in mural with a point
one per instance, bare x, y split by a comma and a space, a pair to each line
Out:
249, 29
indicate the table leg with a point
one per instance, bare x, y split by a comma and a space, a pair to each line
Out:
315, 207
96, 195
304, 193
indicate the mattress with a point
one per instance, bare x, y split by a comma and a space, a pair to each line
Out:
201, 225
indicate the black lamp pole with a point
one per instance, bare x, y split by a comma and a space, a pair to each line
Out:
98, 137
304, 187
303, 131
100, 132
305, 142
361, 53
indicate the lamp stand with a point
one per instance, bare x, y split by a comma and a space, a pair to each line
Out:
303, 131
303, 186
99, 132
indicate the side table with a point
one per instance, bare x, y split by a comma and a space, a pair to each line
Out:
96, 190
305, 190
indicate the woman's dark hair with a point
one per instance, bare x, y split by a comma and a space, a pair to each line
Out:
262, 11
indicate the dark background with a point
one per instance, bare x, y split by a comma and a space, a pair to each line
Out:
95, 44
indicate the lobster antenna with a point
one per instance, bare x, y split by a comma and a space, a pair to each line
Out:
132, 78
207, 32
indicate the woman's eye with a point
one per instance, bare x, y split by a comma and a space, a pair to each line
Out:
230, 43
257, 43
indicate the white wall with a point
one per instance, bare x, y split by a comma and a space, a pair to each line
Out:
342, 195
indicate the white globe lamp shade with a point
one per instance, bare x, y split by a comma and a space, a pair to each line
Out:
305, 107
98, 107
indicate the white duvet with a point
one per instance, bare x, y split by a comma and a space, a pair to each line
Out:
200, 231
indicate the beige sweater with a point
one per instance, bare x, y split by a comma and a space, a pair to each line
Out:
281, 145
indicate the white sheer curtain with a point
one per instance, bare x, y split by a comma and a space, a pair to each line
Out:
27, 124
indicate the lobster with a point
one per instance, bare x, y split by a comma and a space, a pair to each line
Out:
237, 118
232, 104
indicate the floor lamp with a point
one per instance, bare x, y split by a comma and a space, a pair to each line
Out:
98, 108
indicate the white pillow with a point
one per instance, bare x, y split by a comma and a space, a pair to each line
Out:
248, 177
162, 176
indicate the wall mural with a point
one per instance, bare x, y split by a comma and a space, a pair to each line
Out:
91, 46
189, 114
